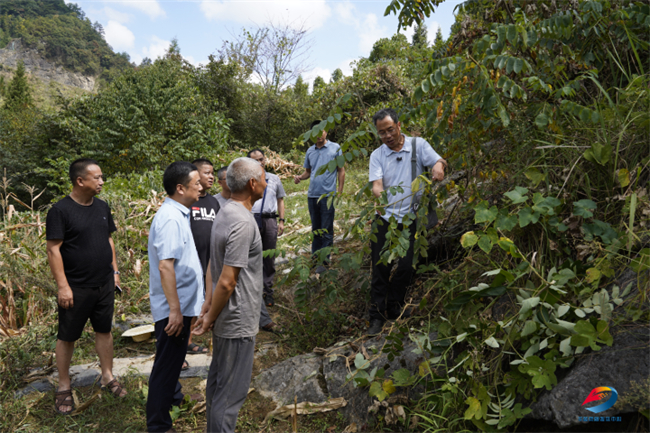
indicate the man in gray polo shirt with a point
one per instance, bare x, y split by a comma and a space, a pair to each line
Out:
322, 216
390, 166
272, 219
236, 266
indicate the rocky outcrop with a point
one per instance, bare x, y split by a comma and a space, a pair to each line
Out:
316, 378
618, 367
621, 366
41, 68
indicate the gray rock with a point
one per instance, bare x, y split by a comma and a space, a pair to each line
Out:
41, 386
626, 361
297, 376
316, 378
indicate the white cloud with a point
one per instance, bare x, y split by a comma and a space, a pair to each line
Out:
118, 36
367, 27
313, 14
120, 17
157, 48
150, 7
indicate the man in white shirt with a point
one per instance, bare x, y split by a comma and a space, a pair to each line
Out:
273, 201
390, 166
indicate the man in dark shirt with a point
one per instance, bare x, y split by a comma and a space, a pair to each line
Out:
82, 258
202, 214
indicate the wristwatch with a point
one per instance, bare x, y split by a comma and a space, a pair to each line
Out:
117, 272
281, 220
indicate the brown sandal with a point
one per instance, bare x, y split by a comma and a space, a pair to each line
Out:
115, 388
63, 398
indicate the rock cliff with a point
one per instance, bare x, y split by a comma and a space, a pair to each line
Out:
41, 68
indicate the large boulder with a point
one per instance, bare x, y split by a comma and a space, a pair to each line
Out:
621, 366
316, 378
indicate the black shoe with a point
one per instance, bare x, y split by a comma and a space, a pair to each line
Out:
272, 327
376, 325
268, 299
394, 315
320, 269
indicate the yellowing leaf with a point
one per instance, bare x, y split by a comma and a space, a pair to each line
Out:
474, 409
388, 387
623, 177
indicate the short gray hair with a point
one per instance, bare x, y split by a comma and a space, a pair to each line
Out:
240, 171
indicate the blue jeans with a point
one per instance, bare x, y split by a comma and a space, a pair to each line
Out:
322, 217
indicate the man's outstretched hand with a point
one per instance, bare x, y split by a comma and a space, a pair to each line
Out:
202, 326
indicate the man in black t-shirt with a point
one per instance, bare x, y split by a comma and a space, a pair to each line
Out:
202, 214
82, 258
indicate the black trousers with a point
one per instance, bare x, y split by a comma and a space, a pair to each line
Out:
269, 242
386, 293
164, 387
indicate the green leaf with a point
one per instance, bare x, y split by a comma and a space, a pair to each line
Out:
401, 376
340, 161
599, 153
541, 120
519, 65
376, 390
469, 239
360, 362
483, 214
517, 195
485, 244
503, 115
527, 216
331, 166
506, 222
492, 342
528, 304
583, 208
512, 34
510, 65
529, 327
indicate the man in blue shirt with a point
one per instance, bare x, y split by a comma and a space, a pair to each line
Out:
175, 289
322, 216
390, 166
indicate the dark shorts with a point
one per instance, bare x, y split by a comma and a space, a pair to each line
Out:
96, 304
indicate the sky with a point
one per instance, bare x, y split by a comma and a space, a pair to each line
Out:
340, 31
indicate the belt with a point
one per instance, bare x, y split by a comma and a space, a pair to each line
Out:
268, 215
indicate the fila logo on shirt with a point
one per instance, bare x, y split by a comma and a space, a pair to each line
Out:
201, 212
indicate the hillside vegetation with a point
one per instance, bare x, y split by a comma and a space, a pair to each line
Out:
540, 108
63, 34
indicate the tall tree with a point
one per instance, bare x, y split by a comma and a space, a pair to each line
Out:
300, 88
275, 54
319, 82
438, 41
420, 36
336, 75
18, 94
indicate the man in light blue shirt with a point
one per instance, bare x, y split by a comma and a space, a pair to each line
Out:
175, 289
390, 166
322, 216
